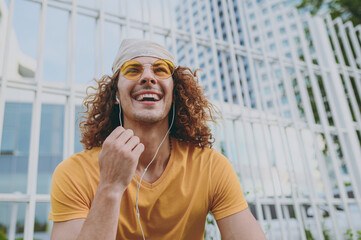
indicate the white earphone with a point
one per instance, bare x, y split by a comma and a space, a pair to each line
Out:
120, 111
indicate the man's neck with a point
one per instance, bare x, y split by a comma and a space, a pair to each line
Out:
151, 136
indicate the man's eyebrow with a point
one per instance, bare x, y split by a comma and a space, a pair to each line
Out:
134, 64
160, 64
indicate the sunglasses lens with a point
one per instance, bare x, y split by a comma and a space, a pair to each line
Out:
132, 69
163, 69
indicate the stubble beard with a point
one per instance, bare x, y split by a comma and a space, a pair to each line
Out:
148, 118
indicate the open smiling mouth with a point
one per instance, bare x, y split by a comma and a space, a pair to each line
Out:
148, 97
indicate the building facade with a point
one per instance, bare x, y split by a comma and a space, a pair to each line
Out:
288, 87
280, 60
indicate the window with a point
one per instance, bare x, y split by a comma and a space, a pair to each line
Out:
278, 73
15, 146
272, 47
297, 40
281, 87
285, 43
264, 77
267, 23
267, 90
269, 104
50, 144
201, 56
287, 114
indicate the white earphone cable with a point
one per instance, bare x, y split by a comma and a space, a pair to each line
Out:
120, 112
145, 170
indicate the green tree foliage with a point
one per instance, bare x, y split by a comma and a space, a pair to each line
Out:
2, 235
348, 10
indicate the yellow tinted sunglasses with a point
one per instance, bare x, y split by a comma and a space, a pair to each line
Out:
133, 69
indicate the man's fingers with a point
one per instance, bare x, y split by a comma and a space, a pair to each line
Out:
133, 142
115, 134
138, 149
125, 136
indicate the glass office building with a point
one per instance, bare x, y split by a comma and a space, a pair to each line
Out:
288, 87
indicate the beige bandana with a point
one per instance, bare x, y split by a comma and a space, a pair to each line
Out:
131, 48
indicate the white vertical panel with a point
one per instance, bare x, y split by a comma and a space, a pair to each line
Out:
8, 20
35, 131
69, 116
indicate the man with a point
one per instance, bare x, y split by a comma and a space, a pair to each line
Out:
148, 171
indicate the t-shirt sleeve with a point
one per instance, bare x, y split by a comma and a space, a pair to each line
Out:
227, 197
67, 195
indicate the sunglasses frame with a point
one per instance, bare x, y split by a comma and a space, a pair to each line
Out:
169, 64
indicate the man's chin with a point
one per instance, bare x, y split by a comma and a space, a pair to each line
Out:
148, 118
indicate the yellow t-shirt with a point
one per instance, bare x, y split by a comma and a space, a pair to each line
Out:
194, 182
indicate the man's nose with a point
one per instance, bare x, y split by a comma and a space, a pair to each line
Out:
148, 76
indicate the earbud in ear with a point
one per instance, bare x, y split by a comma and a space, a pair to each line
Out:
120, 111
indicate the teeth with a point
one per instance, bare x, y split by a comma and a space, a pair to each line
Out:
147, 95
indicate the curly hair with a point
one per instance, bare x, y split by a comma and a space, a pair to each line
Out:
193, 111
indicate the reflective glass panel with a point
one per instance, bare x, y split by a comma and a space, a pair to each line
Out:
15, 145
42, 226
51, 144
12, 220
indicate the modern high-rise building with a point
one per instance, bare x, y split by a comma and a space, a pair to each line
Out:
287, 65
263, 26
287, 86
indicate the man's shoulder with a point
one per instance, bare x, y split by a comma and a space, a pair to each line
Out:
82, 160
196, 151
192, 147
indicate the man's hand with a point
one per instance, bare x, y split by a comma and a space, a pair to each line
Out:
119, 158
